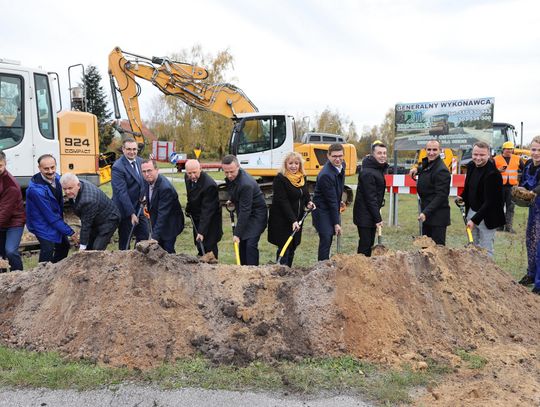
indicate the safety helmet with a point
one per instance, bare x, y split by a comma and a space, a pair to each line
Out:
376, 142
508, 144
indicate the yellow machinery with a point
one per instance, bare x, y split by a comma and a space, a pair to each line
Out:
259, 140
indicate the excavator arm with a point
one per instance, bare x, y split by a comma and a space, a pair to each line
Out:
179, 79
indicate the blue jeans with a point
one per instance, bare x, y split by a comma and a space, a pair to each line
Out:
10, 239
53, 252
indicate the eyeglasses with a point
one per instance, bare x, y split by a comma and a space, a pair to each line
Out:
130, 149
336, 156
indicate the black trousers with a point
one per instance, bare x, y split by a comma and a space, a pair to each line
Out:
140, 231
366, 238
249, 251
436, 233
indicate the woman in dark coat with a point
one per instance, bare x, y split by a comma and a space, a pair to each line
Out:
291, 197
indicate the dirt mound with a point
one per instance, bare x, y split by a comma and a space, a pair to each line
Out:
143, 307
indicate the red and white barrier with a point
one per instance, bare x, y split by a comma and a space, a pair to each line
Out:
404, 184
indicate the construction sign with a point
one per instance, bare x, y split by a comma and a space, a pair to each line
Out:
457, 124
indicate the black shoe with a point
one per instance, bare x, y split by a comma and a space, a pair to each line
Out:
526, 280
536, 290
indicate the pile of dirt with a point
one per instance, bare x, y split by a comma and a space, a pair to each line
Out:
143, 307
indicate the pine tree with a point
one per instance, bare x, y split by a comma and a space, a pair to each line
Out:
96, 103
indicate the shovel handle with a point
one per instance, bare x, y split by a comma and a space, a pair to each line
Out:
379, 234
469, 235
237, 253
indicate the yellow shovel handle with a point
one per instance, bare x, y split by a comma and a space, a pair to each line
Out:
237, 253
469, 234
287, 243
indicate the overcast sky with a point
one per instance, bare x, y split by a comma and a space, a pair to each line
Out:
359, 57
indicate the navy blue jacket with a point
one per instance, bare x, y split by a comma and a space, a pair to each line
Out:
250, 205
127, 186
327, 198
45, 211
166, 216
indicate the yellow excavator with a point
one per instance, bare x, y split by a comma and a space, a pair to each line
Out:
259, 140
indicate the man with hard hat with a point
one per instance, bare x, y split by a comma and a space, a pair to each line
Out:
509, 164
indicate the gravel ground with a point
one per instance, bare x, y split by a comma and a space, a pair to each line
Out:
145, 396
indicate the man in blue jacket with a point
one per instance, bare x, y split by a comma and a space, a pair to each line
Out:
327, 198
128, 189
166, 216
45, 211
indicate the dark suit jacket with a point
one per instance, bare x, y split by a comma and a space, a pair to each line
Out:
166, 216
489, 192
96, 210
250, 205
327, 197
369, 193
433, 188
203, 205
127, 186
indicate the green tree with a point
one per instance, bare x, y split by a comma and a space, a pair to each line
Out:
96, 103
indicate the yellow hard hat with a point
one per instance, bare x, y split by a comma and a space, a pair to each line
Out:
376, 142
508, 144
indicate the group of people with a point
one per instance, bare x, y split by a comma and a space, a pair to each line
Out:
145, 204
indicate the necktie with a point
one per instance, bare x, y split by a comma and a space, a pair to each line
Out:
134, 165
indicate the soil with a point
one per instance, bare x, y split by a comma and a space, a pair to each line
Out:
142, 307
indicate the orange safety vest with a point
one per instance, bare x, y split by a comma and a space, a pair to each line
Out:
510, 174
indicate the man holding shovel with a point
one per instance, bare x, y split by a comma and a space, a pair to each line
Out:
433, 185
483, 197
250, 208
203, 208
370, 197
327, 198
166, 216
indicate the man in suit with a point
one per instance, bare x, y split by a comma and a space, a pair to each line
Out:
45, 212
166, 216
250, 207
203, 207
128, 189
483, 197
99, 215
327, 198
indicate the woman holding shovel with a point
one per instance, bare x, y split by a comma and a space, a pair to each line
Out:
291, 197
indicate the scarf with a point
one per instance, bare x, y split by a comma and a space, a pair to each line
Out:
297, 179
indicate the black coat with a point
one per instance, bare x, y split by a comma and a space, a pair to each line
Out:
288, 203
250, 206
98, 213
327, 198
203, 206
433, 187
369, 193
166, 216
489, 191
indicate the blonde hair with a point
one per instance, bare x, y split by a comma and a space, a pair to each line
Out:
536, 139
289, 156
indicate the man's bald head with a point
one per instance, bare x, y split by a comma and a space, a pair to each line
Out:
193, 170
